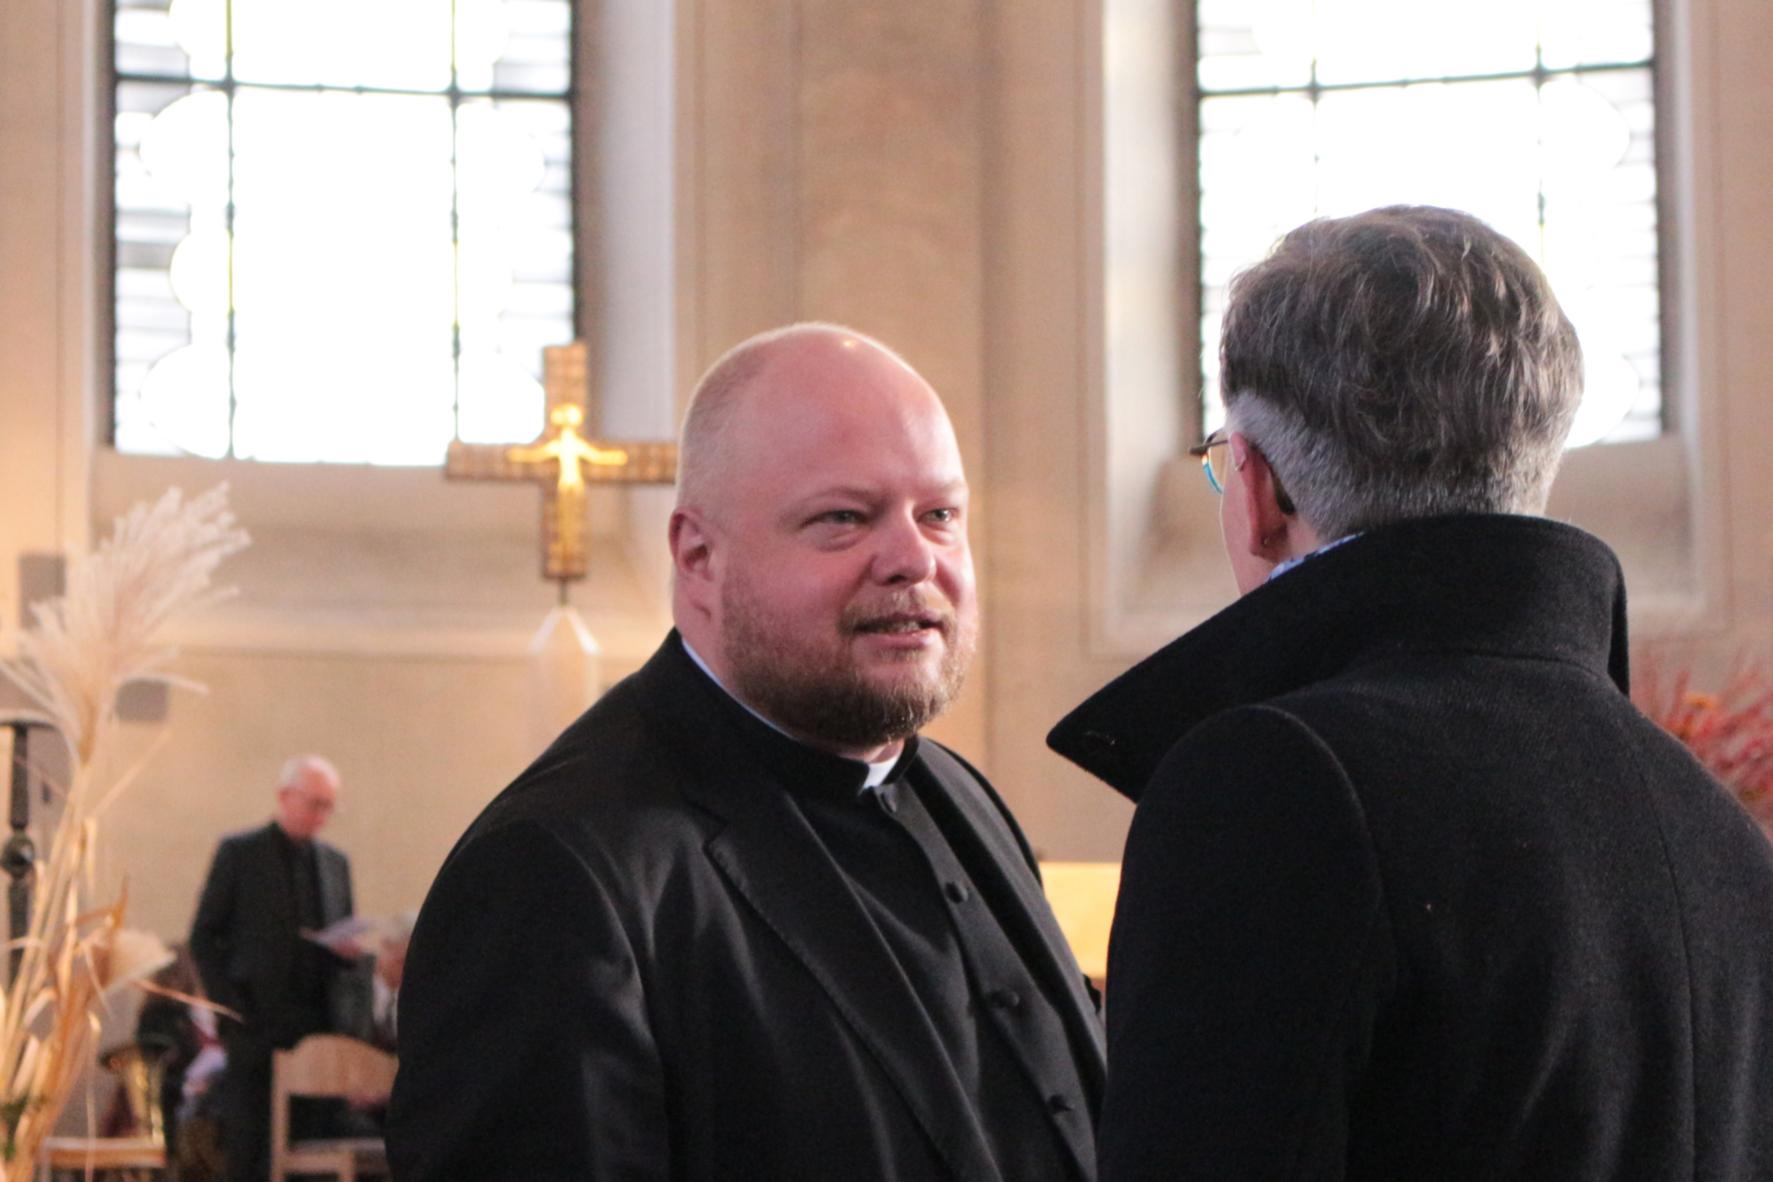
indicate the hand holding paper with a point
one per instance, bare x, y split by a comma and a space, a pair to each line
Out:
344, 938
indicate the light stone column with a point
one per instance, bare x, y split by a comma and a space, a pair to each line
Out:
49, 259
833, 154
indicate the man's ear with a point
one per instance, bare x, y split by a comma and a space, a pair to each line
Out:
698, 559
1267, 527
692, 549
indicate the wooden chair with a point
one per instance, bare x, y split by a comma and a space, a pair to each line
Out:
123, 1159
332, 1066
120, 1159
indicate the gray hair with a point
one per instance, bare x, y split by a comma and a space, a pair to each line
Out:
703, 448
1404, 362
290, 775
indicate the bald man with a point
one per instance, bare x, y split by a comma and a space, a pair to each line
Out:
740, 921
266, 887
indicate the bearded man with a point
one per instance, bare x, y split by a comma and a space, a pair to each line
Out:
740, 921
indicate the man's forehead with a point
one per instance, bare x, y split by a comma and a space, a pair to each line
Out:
802, 421
902, 445
946, 486
820, 369
820, 417
314, 782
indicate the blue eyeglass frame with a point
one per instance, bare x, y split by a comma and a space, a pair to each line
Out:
1218, 438
1204, 451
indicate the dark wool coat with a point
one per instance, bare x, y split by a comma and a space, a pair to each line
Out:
1413, 892
641, 963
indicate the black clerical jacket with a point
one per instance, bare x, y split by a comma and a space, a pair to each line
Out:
1414, 892
246, 940
641, 962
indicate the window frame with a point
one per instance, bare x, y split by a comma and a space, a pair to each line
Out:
379, 561
579, 184
1539, 74
1154, 558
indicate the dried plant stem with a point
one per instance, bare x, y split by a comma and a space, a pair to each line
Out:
80, 651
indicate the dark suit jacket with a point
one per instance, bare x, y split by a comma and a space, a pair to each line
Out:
244, 937
1414, 892
641, 963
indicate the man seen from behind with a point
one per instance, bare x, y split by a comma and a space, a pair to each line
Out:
1412, 891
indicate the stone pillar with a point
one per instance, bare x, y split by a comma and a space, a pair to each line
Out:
830, 169
50, 256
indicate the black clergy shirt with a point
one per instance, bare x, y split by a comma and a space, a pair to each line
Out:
940, 917
308, 966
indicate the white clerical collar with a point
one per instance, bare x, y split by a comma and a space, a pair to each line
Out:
877, 772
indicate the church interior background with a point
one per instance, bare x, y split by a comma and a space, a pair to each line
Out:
1006, 192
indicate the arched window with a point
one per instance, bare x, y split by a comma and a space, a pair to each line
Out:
343, 230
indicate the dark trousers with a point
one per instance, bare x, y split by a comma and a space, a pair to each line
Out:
245, 1109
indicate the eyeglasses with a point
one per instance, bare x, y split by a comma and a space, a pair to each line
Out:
1215, 458
1215, 461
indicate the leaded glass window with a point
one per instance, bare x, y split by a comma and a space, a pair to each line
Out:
344, 228
1536, 115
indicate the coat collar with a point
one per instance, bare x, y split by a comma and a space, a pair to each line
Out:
1495, 584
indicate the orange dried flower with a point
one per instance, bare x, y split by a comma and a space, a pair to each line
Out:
1730, 731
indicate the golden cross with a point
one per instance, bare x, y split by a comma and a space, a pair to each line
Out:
562, 461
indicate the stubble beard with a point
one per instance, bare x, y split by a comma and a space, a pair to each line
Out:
817, 689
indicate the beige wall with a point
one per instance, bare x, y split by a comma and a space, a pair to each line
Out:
419, 743
927, 170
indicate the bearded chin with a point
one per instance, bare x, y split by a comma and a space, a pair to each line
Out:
830, 702
848, 713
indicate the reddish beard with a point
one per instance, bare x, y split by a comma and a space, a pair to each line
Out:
816, 688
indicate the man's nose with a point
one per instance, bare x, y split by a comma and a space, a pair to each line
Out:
906, 554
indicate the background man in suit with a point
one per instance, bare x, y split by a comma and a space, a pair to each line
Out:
1412, 891
740, 921
266, 887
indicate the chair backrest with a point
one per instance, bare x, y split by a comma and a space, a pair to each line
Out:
333, 1065
324, 1065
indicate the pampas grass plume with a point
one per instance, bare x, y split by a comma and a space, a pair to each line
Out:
79, 652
